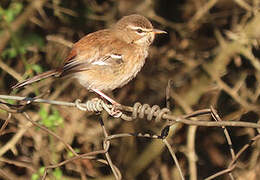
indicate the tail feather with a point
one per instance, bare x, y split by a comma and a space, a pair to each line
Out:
37, 78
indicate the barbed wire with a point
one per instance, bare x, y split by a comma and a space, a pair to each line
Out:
138, 111
128, 113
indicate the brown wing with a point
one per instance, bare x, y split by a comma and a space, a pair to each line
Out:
89, 44
74, 66
71, 55
95, 49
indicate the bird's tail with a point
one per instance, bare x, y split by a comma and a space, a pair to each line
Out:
36, 78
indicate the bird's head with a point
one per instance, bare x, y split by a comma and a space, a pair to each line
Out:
136, 29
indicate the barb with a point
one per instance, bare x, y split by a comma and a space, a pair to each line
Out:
139, 111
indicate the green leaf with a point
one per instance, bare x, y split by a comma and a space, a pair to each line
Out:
35, 176
9, 53
43, 113
37, 68
2, 11
70, 154
41, 170
33, 39
57, 173
10, 101
50, 120
17, 8
9, 16
22, 50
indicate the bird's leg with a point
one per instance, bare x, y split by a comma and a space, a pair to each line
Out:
114, 111
112, 101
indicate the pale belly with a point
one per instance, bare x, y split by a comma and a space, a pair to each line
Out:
109, 78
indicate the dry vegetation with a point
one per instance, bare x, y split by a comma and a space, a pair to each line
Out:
206, 71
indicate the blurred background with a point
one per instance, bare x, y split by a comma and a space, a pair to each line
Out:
210, 57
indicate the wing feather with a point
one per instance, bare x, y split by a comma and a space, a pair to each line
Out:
84, 56
74, 66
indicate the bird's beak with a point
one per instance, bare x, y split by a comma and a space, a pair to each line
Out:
158, 31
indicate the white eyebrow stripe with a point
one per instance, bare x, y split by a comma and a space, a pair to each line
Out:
136, 27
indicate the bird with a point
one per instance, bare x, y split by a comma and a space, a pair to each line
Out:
106, 59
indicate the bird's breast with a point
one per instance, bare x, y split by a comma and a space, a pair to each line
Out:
109, 77
131, 66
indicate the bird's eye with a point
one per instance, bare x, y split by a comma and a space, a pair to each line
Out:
139, 31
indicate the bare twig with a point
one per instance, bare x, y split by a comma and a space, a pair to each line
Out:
50, 132
5, 123
201, 12
217, 118
59, 40
174, 158
10, 71
232, 164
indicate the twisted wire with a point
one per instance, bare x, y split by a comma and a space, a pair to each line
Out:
140, 111
98, 105
94, 105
